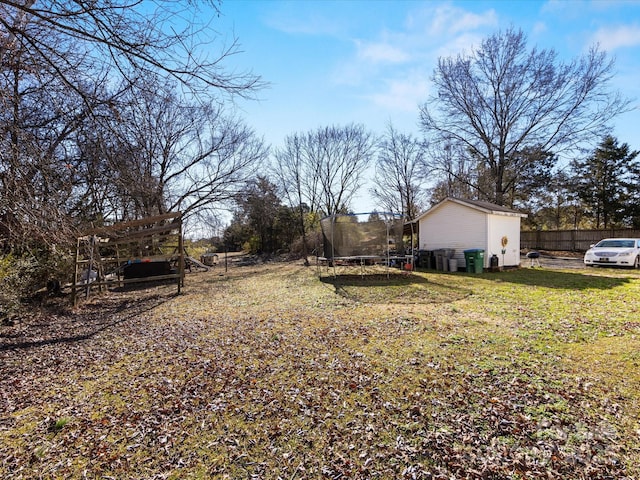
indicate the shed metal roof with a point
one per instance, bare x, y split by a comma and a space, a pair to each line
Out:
486, 207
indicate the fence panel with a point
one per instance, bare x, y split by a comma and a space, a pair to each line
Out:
570, 240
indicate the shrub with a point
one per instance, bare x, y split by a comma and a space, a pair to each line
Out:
16, 277
22, 276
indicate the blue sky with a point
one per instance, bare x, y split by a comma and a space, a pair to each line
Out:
337, 62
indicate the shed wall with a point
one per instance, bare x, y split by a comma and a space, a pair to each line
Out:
456, 226
453, 226
503, 226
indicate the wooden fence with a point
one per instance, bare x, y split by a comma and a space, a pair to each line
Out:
570, 240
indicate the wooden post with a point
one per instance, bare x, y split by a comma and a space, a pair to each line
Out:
92, 242
180, 258
74, 297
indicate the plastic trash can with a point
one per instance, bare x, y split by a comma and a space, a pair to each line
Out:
426, 259
474, 259
453, 264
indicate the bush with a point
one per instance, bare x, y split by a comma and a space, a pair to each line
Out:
21, 277
16, 277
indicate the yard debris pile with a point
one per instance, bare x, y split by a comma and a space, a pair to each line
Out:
268, 373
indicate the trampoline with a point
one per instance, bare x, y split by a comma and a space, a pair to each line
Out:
364, 240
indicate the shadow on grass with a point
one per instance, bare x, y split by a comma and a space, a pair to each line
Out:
438, 287
559, 279
394, 288
52, 329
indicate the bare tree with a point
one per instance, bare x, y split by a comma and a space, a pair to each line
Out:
130, 37
59, 62
297, 176
38, 118
400, 174
320, 172
68, 150
298, 181
338, 157
501, 99
165, 154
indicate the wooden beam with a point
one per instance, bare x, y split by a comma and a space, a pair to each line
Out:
106, 230
169, 229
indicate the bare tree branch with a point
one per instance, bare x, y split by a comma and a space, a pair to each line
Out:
128, 35
502, 99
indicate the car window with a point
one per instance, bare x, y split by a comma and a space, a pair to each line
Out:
616, 243
607, 243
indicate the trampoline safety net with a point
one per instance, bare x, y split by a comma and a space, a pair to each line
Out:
362, 235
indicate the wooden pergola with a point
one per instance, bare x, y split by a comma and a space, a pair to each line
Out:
144, 250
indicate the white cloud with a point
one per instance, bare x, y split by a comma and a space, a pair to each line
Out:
402, 95
287, 19
349, 73
393, 67
618, 37
428, 32
381, 52
567, 9
461, 44
539, 28
465, 21
450, 20
437, 30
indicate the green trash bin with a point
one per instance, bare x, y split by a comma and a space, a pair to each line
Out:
474, 259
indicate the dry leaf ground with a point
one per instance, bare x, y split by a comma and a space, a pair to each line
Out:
271, 371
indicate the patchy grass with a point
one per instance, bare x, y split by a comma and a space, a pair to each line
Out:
270, 371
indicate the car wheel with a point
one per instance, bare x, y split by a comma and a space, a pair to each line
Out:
636, 263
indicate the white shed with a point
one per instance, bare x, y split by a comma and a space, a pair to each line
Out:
471, 224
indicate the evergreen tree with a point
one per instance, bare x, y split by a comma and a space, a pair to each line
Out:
633, 192
603, 180
261, 222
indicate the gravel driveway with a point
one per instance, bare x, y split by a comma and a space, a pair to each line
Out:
555, 262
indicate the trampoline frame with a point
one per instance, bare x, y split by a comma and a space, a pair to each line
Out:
364, 261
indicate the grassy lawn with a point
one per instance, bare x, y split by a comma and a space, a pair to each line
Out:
272, 371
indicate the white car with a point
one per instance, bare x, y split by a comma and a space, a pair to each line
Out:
621, 252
